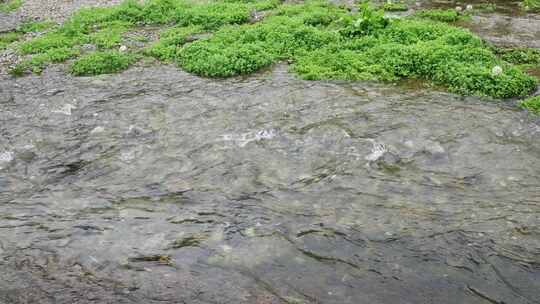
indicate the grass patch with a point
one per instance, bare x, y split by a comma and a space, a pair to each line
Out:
214, 15
330, 43
10, 5
531, 5
35, 26
443, 15
485, 7
170, 42
321, 40
527, 56
8, 38
102, 63
532, 104
395, 7
104, 27
37, 63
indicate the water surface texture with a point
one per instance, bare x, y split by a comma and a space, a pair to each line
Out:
155, 186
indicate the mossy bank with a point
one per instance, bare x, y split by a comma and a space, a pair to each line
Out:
321, 41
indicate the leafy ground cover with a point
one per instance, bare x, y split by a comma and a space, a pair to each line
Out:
10, 5
321, 41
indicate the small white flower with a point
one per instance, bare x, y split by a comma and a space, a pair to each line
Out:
469, 7
497, 70
122, 48
459, 8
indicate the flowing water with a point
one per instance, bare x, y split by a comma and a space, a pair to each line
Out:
156, 186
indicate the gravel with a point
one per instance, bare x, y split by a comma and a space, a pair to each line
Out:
58, 10
55, 10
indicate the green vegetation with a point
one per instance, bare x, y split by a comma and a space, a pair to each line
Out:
37, 63
10, 5
104, 27
448, 15
532, 5
8, 38
170, 42
527, 56
35, 26
102, 63
532, 104
319, 39
485, 7
395, 7
325, 42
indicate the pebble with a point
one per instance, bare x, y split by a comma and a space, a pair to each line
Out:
6, 157
65, 109
98, 129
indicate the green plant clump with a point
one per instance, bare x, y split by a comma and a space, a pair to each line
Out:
10, 5
395, 7
532, 104
102, 63
35, 26
170, 42
328, 43
319, 39
104, 27
532, 5
8, 38
486, 7
527, 56
443, 15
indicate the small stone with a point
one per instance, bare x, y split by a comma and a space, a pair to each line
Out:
65, 109
6, 157
497, 70
123, 49
97, 129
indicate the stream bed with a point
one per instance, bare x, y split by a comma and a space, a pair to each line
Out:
157, 186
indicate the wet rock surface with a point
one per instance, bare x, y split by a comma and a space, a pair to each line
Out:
156, 186
507, 25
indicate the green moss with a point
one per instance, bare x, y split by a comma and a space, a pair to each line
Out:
8, 38
35, 26
244, 49
485, 7
395, 7
10, 5
321, 40
109, 36
102, 63
171, 40
220, 60
532, 104
337, 45
37, 63
519, 55
49, 41
213, 15
448, 15
532, 5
